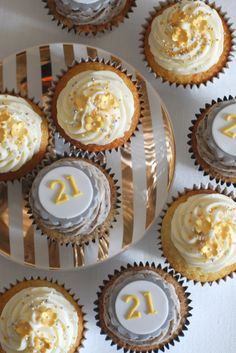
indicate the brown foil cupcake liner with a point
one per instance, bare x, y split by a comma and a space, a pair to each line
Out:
202, 165
100, 232
32, 166
184, 274
93, 147
38, 281
89, 29
183, 294
228, 23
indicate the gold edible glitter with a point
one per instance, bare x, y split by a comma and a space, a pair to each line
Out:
41, 344
106, 101
94, 121
46, 316
23, 328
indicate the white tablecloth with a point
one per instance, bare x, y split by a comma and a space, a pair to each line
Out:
25, 23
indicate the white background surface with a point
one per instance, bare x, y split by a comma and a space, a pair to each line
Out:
25, 23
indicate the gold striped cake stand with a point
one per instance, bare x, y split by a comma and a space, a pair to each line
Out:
144, 168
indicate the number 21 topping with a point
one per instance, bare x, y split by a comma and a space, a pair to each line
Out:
73, 200
142, 308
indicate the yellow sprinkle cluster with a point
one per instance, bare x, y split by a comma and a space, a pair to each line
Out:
9, 127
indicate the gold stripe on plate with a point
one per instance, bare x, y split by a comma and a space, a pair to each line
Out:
170, 146
127, 195
28, 232
69, 54
92, 52
78, 251
4, 221
1, 77
53, 254
21, 73
103, 248
46, 71
150, 155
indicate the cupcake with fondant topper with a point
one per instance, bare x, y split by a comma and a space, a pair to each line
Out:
95, 105
74, 200
38, 315
143, 308
25, 136
187, 42
198, 234
90, 17
213, 140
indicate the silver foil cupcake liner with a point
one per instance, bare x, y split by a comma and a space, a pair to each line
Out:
180, 332
115, 65
69, 291
195, 187
202, 165
89, 30
227, 20
50, 150
99, 232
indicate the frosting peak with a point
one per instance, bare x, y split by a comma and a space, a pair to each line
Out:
203, 230
187, 37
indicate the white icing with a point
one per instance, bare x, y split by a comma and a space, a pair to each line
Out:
23, 306
76, 205
203, 230
147, 323
117, 120
224, 142
203, 46
14, 153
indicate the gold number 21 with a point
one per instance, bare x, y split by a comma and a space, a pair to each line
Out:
61, 196
133, 313
227, 130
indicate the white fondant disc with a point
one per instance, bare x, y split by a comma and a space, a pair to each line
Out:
224, 142
147, 323
76, 205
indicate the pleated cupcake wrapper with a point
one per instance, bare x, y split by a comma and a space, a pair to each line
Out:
50, 151
99, 309
205, 167
69, 291
203, 187
102, 231
113, 64
190, 85
89, 30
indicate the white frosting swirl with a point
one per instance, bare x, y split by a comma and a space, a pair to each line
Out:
187, 38
203, 230
20, 133
95, 107
38, 319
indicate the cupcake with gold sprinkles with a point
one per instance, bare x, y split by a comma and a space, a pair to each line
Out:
24, 136
187, 42
198, 234
40, 316
96, 106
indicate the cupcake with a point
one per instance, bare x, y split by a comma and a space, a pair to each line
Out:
213, 140
198, 234
40, 316
73, 200
187, 42
24, 136
142, 308
90, 16
95, 106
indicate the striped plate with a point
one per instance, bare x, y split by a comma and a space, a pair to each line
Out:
144, 168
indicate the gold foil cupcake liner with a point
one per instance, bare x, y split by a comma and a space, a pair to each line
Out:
32, 167
202, 165
101, 231
165, 245
184, 298
89, 29
29, 282
90, 147
223, 15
